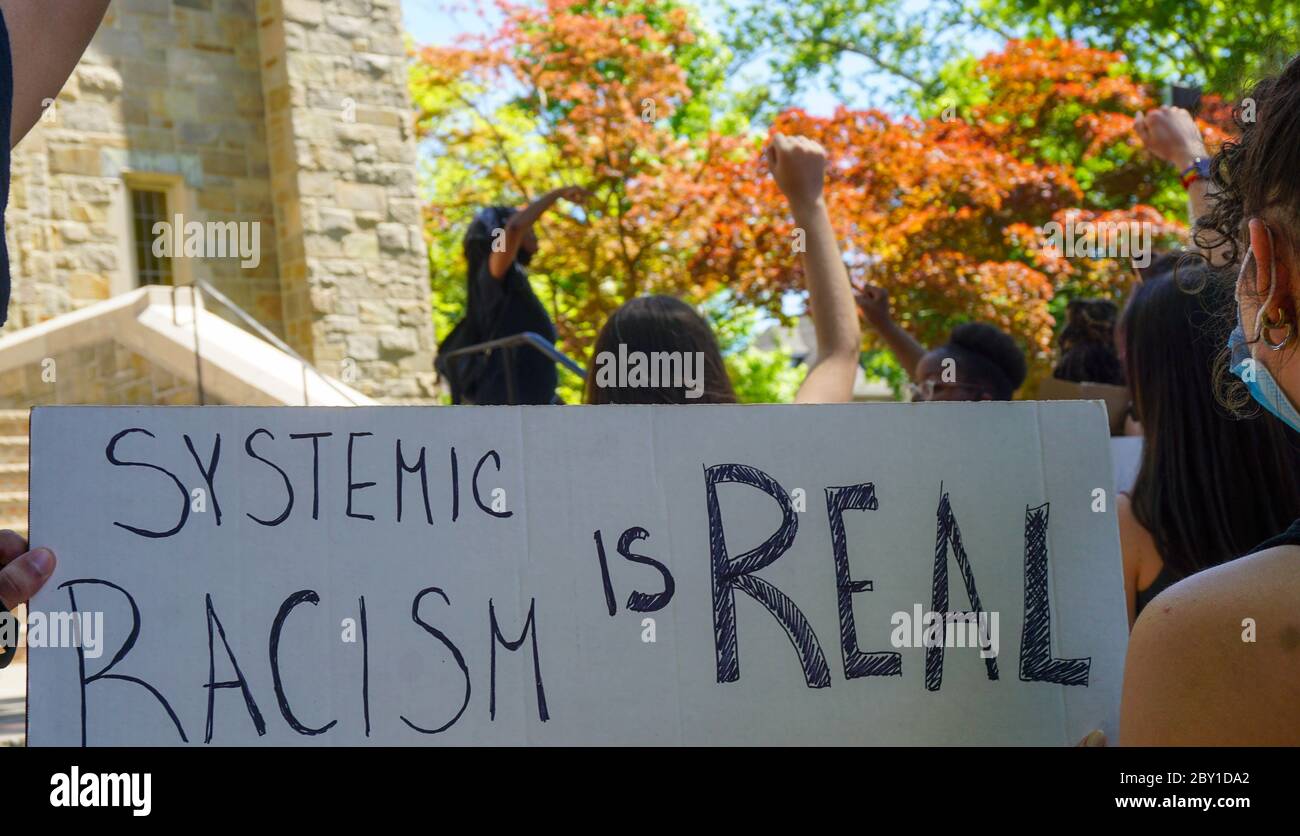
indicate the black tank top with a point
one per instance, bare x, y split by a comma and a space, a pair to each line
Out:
1290, 537
1166, 578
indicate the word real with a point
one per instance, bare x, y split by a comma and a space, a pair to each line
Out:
108, 789
214, 239
1099, 239
652, 370
83, 630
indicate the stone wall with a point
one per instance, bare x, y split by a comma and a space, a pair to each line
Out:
291, 114
170, 88
354, 263
105, 373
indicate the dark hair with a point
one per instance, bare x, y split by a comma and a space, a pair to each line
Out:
1255, 173
987, 358
1194, 489
659, 324
1087, 344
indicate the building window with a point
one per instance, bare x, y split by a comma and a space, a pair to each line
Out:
149, 207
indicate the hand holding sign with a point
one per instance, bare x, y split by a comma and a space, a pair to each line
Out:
22, 573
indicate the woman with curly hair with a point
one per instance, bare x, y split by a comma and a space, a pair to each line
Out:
1215, 659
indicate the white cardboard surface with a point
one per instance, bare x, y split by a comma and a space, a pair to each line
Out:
566, 473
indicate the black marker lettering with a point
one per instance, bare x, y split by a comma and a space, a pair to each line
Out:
418, 467
315, 468
856, 663
496, 461
1036, 662
731, 574
640, 601
949, 533
118, 657
238, 682
530, 628
209, 472
111, 453
288, 486
447, 643
357, 486
292, 601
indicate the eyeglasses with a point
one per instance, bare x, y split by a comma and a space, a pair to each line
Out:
927, 389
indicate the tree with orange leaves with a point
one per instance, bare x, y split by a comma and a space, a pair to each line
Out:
947, 212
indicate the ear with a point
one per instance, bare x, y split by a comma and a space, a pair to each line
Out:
1274, 285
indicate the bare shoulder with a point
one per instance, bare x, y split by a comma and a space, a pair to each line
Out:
1215, 659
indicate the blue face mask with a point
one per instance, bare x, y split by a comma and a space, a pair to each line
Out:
1263, 387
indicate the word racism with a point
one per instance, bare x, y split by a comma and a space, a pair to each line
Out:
653, 370
728, 576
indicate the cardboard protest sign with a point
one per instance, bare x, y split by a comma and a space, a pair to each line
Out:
572, 575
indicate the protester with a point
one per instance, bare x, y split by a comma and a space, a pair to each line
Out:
1171, 135
498, 246
978, 363
1213, 659
1185, 512
1087, 344
669, 326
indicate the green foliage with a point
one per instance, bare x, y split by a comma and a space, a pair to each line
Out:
1215, 43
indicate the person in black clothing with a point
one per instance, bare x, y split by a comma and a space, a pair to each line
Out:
498, 247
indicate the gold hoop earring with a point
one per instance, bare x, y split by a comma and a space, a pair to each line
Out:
1282, 321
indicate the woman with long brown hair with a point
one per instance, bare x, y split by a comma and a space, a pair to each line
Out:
1183, 514
667, 327
1214, 659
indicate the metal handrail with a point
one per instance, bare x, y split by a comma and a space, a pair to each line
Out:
530, 339
261, 330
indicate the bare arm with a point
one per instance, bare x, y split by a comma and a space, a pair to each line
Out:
46, 39
521, 222
1171, 134
874, 304
799, 167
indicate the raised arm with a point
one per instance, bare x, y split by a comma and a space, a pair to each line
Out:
521, 223
874, 304
799, 165
46, 40
1171, 134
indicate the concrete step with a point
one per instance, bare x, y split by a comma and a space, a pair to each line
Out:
14, 421
13, 477
13, 505
13, 449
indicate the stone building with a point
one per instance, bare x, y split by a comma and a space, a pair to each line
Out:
280, 126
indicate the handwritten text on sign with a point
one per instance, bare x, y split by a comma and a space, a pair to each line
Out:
578, 575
